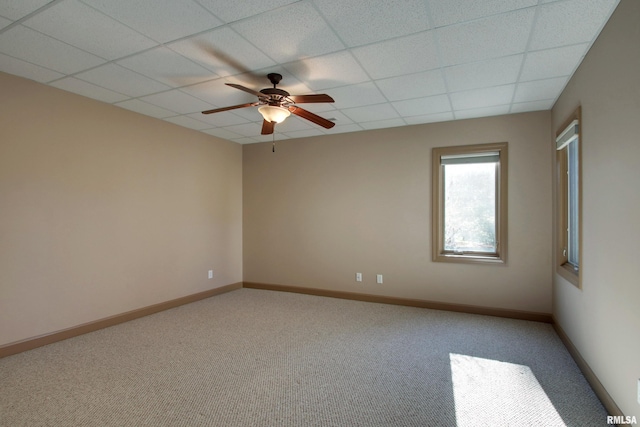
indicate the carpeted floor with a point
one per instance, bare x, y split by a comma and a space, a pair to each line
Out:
262, 358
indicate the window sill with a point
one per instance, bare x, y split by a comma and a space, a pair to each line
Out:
469, 259
569, 274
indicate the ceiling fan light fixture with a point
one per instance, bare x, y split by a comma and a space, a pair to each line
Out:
273, 113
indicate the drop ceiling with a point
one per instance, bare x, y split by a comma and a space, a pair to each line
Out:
386, 63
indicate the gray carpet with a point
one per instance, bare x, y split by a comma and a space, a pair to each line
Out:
262, 358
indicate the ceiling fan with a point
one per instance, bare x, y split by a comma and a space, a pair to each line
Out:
277, 104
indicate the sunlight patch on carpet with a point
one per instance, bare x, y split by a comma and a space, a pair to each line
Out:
493, 393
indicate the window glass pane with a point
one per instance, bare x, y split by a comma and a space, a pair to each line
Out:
470, 207
572, 168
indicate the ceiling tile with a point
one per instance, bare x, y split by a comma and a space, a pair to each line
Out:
304, 133
71, 84
166, 66
381, 124
423, 106
160, 20
31, 46
226, 118
223, 51
4, 22
556, 62
429, 118
480, 98
540, 89
492, 37
474, 113
447, 12
17, 9
371, 113
399, 56
122, 80
356, 95
188, 122
175, 100
84, 27
222, 133
569, 22
327, 71
409, 86
312, 35
230, 11
523, 107
145, 108
362, 22
475, 75
19, 67
246, 129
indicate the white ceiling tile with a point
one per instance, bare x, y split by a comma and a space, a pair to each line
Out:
160, 20
4, 22
409, 86
381, 124
482, 112
569, 22
356, 95
475, 75
223, 51
492, 37
222, 133
120, 79
188, 122
294, 124
344, 129
246, 129
230, 11
556, 62
304, 133
327, 71
312, 35
22, 68
16, 9
480, 98
166, 66
371, 113
227, 118
399, 56
423, 106
145, 108
71, 84
175, 100
447, 12
84, 27
429, 118
31, 46
524, 107
362, 22
540, 89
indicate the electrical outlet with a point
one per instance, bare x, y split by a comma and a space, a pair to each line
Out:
210, 274
358, 277
379, 278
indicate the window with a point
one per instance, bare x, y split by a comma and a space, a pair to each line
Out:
568, 191
470, 203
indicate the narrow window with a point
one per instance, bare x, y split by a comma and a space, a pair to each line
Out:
568, 191
469, 203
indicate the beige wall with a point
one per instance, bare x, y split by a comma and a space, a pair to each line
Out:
103, 210
320, 209
603, 319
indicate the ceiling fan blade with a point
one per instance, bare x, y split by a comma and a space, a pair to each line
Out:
267, 127
246, 89
300, 112
233, 107
301, 99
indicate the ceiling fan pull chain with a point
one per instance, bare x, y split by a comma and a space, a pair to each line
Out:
273, 146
